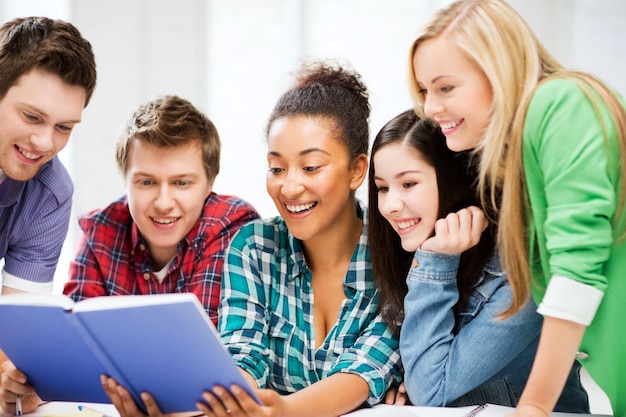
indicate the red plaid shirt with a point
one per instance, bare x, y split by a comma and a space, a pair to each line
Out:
112, 258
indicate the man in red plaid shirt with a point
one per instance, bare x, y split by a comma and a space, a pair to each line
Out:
169, 233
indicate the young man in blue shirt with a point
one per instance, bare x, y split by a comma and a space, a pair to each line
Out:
48, 77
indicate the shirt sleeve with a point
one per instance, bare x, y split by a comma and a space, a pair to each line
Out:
33, 259
85, 279
241, 323
223, 223
573, 171
374, 356
441, 365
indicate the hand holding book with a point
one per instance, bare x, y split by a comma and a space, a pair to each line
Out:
162, 344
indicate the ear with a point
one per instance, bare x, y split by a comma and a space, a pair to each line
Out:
358, 171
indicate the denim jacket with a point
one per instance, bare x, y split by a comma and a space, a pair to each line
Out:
473, 357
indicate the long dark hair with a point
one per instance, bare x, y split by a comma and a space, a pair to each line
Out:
457, 189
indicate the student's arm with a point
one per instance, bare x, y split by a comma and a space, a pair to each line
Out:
332, 396
335, 395
432, 350
245, 307
249, 379
558, 345
9, 290
572, 178
32, 257
374, 356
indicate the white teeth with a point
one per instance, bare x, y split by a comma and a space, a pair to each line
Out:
450, 125
28, 154
299, 208
405, 224
164, 221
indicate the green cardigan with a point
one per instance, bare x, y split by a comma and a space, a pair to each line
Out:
573, 178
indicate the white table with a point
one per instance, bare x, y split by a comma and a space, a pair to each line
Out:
490, 410
67, 409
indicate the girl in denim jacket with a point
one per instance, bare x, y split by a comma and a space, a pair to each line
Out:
442, 286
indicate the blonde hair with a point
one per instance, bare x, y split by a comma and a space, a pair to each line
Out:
500, 42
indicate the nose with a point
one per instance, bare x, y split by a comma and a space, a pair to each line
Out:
42, 140
292, 185
389, 203
165, 200
432, 106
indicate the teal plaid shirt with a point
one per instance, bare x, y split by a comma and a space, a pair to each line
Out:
266, 315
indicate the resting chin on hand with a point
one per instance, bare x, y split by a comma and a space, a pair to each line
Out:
12, 383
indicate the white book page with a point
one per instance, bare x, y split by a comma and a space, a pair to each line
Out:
44, 300
125, 301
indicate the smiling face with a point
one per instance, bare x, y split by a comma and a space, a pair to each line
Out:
456, 93
166, 191
311, 178
37, 115
408, 196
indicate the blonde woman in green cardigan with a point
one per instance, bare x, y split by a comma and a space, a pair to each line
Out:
551, 144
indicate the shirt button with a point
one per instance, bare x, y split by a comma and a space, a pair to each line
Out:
582, 355
146, 276
142, 246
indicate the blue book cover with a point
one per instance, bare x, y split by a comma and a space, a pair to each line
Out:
164, 344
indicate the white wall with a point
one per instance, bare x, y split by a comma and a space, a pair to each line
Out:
233, 58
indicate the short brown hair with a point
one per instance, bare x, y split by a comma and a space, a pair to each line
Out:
52, 45
170, 121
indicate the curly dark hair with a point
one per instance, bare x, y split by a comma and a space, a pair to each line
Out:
329, 90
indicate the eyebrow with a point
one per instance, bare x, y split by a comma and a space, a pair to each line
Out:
434, 80
301, 153
402, 174
184, 175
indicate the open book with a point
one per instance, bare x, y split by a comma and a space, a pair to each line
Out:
164, 344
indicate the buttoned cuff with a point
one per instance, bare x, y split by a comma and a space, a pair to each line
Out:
434, 266
21, 284
570, 300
